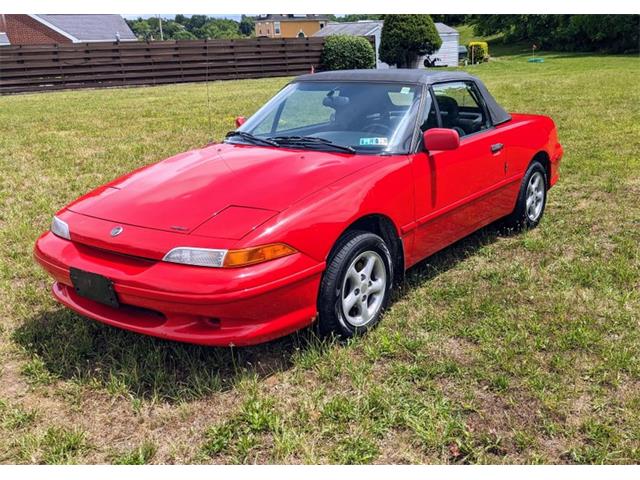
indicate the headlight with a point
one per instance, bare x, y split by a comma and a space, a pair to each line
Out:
204, 257
60, 228
207, 257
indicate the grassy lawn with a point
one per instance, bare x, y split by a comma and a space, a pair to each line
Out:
500, 349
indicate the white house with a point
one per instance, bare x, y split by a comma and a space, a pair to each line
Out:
448, 52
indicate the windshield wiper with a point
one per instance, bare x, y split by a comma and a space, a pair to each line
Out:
310, 142
248, 137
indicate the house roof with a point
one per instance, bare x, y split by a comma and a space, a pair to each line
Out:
445, 29
4, 39
368, 27
291, 17
89, 28
349, 28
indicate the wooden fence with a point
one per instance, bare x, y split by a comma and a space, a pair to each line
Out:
52, 67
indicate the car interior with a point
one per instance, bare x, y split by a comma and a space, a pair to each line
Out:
380, 115
359, 114
466, 119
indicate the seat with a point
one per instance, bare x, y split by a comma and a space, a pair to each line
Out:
449, 112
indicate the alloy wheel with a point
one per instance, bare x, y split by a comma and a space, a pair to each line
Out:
363, 288
535, 196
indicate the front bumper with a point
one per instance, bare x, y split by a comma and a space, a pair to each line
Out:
206, 306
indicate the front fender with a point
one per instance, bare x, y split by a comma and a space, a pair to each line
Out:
314, 224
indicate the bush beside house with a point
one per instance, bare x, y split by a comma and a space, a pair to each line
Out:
478, 52
344, 52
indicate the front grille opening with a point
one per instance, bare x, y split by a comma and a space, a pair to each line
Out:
147, 312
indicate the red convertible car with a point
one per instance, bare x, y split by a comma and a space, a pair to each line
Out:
311, 210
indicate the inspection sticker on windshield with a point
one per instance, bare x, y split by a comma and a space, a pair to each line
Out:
372, 141
405, 90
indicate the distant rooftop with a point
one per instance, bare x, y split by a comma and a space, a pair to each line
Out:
367, 27
89, 28
362, 28
442, 28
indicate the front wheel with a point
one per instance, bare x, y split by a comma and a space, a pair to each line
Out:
356, 286
532, 199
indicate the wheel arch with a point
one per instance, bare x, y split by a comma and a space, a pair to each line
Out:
545, 160
386, 229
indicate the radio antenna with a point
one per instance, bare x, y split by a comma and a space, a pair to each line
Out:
206, 79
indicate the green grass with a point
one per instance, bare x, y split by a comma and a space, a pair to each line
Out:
137, 456
500, 349
498, 45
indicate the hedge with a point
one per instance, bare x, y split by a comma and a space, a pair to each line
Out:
478, 52
345, 52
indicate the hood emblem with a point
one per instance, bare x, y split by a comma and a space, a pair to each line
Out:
115, 231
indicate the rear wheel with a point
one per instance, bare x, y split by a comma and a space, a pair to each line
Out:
532, 199
356, 286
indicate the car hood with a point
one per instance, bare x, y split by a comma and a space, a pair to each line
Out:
243, 185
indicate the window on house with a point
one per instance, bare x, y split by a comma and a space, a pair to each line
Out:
276, 27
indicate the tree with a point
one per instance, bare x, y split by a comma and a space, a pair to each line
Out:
183, 35
406, 37
246, 25
356, 17
219, 28
455, 19
606, 33
195, 22
182, 19
182, 27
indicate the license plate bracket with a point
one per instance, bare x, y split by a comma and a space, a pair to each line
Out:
94, 287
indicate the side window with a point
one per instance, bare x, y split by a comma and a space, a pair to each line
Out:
461, 107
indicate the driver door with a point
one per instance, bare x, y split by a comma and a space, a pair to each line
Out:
456, 190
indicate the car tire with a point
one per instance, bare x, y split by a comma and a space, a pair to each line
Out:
532, 199
359, 273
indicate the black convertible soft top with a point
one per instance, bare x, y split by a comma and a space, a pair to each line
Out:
408, 75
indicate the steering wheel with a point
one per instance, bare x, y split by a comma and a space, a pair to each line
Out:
380, 128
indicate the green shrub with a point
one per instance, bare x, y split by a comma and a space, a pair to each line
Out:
344, 52
478, 52
407, 37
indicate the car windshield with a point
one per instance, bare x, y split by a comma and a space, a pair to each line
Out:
358, 117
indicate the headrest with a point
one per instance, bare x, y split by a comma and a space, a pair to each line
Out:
447, 102
335, 101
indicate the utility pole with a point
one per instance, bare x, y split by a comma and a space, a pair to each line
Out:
160, 23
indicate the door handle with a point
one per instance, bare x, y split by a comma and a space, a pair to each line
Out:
496, 147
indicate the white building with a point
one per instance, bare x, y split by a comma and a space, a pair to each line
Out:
448, 52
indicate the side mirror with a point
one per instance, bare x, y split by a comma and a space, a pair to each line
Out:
441, 139
240, 121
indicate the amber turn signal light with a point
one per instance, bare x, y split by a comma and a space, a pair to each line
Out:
253, 255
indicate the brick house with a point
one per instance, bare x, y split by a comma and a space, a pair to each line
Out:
48, 29
289, 26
